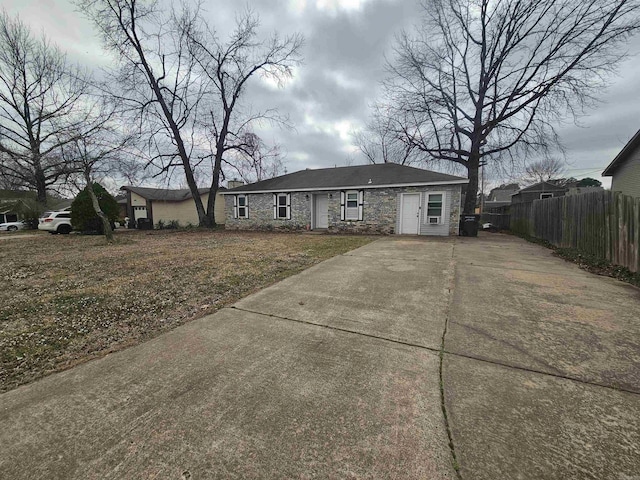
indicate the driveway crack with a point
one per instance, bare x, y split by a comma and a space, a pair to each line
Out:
339, 329
443, 405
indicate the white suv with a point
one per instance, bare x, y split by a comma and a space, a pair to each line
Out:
55, 222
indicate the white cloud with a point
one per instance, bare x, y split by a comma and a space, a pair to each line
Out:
332, 7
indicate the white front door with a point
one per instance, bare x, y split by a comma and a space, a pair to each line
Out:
322, 211
410, 213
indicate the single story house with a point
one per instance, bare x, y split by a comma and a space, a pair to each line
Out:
166, 205
539, 191
381, 198
18, 205
625, 169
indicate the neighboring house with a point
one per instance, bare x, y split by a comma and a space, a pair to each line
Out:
503, 193
539, 191
164, 205
18, 205
500, 197
382, 198
625, 169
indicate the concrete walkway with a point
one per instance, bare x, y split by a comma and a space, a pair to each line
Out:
336, 373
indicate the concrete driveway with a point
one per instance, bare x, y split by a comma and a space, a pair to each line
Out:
337, 373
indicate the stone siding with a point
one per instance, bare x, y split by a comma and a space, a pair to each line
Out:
261, 213
380, 211
455, 205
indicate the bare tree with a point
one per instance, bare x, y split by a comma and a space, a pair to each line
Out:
485, 81
543, 170
229, 66
154, 82
159, 83
44, 101
99, 155
256, 161
380, 141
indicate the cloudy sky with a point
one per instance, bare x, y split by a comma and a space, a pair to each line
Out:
344, 55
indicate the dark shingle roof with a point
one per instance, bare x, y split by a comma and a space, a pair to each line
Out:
367, 176
622, 155
165, 194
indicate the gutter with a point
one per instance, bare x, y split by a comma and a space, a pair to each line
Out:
347, 187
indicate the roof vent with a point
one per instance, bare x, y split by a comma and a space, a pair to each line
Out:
370, 182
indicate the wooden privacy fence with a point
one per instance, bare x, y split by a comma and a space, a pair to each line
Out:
500, 220
605, 224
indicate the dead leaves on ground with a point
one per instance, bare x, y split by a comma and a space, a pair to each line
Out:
69, 298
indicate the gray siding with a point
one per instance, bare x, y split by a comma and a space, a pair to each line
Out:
380, 211
626, 178
450, 214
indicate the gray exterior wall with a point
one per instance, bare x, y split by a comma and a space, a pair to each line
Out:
261, 213
380, 211
626, 177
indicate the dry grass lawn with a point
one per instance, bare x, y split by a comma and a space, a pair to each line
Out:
68, 298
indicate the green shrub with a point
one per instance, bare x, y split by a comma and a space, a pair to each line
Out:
83, 216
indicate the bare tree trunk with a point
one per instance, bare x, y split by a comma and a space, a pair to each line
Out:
213, 191
177, 137
472, 187
106, 226
41, 188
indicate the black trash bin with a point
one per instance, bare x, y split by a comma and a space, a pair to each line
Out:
145, 224
469, 225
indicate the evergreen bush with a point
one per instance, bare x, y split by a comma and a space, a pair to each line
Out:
84, 217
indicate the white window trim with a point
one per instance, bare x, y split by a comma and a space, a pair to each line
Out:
354, 210
277, 206
237, 207
359, 216
427, 217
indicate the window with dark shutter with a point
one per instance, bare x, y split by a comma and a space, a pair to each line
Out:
241, 206
282, 206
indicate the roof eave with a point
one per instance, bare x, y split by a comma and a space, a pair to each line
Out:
622, 155
348, 187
